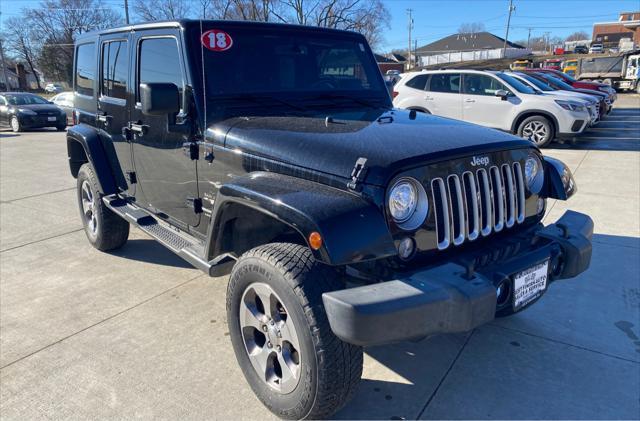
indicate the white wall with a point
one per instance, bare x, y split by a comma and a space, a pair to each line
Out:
458, 56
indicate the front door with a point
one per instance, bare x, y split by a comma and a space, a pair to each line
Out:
167, 180
480, 105
113, 105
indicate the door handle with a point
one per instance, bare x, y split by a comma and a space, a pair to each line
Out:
104, 118
469, 100
138, 128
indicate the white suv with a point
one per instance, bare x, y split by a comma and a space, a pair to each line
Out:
491, 99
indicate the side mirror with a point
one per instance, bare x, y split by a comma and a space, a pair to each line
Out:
502, 94
159, 98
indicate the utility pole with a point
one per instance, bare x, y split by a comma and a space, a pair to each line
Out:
409, 12
126, 11
529, 38
4, 67
546, 41
415, 51
506, 37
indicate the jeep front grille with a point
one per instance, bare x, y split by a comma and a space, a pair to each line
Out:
472, 205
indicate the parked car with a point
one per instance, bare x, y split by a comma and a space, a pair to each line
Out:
342, 221
581, 84
53, 88
492, 99
556, 83
64, 100
591, 102
20, 111
596, 49
581, 49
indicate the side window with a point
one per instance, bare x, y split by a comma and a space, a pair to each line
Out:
159, 61
115, 65
445, 82
475, 84
418, 82
85, 68
3, 101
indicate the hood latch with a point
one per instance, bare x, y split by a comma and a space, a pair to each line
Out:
358, 174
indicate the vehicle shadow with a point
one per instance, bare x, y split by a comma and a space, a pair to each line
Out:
461, 376
150, 251
618, 131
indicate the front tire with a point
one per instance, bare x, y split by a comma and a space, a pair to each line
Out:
104, 229
16, 126
281, 335
538, 129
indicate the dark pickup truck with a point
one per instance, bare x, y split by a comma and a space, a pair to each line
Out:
273, 153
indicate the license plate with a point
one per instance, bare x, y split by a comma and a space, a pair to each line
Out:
51, 118
529, 284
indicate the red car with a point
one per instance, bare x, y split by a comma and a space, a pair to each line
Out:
552, 64
594, 86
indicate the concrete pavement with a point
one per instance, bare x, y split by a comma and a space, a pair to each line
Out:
139, 333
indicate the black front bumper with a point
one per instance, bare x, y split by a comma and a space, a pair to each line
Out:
455, 296
38, 121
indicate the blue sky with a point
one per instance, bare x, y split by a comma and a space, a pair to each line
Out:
434, 19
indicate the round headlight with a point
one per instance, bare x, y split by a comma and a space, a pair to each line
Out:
533, 174
408, 203
403, 200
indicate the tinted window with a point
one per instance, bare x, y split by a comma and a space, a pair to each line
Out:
475, 84
85, 69
538, 83
418, 82
516, 84
115, 65
3, 101
25, 99
445, 82
160, 62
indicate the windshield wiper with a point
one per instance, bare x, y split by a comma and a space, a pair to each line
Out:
372, 103
260, 100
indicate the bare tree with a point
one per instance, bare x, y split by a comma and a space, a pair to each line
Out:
55, 24
19, 43
152, 10
471, 28
578, 36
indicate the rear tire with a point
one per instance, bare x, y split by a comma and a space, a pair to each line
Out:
104, 229
274, 290
538, 129
61, 128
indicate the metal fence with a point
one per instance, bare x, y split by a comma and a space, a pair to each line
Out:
458, 56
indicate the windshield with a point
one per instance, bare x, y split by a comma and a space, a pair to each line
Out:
516, 84
536, 82
25, 99
557, 82
264, 66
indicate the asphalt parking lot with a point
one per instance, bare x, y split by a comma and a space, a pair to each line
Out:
138, 333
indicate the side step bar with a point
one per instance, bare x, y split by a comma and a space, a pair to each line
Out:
179, 242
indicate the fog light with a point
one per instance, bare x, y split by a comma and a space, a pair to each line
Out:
503, 292
540, 205
406, 247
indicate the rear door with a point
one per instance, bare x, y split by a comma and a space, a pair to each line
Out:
166, 175
482, 106
443, 95
113, 104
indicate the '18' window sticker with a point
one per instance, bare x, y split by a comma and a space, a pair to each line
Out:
216, 40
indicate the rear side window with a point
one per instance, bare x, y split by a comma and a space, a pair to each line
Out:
85, 68
159, 61
115, 66
445, 82
418, 82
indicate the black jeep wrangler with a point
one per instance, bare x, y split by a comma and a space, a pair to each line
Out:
273, 153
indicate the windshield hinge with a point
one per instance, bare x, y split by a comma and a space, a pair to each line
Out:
357, 174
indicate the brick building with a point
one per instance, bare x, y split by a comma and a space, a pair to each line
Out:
610, 33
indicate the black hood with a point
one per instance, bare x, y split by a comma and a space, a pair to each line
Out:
389, 140
39, 108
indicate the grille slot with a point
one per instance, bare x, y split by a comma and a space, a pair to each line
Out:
471, 205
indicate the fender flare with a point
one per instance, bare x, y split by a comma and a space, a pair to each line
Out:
352, 229
95, 154
559, 181
554, 120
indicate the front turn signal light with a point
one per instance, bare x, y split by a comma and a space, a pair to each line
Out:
315, 240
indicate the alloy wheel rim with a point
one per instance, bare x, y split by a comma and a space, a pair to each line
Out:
270, 338
536, 131
88, 207
15, 125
